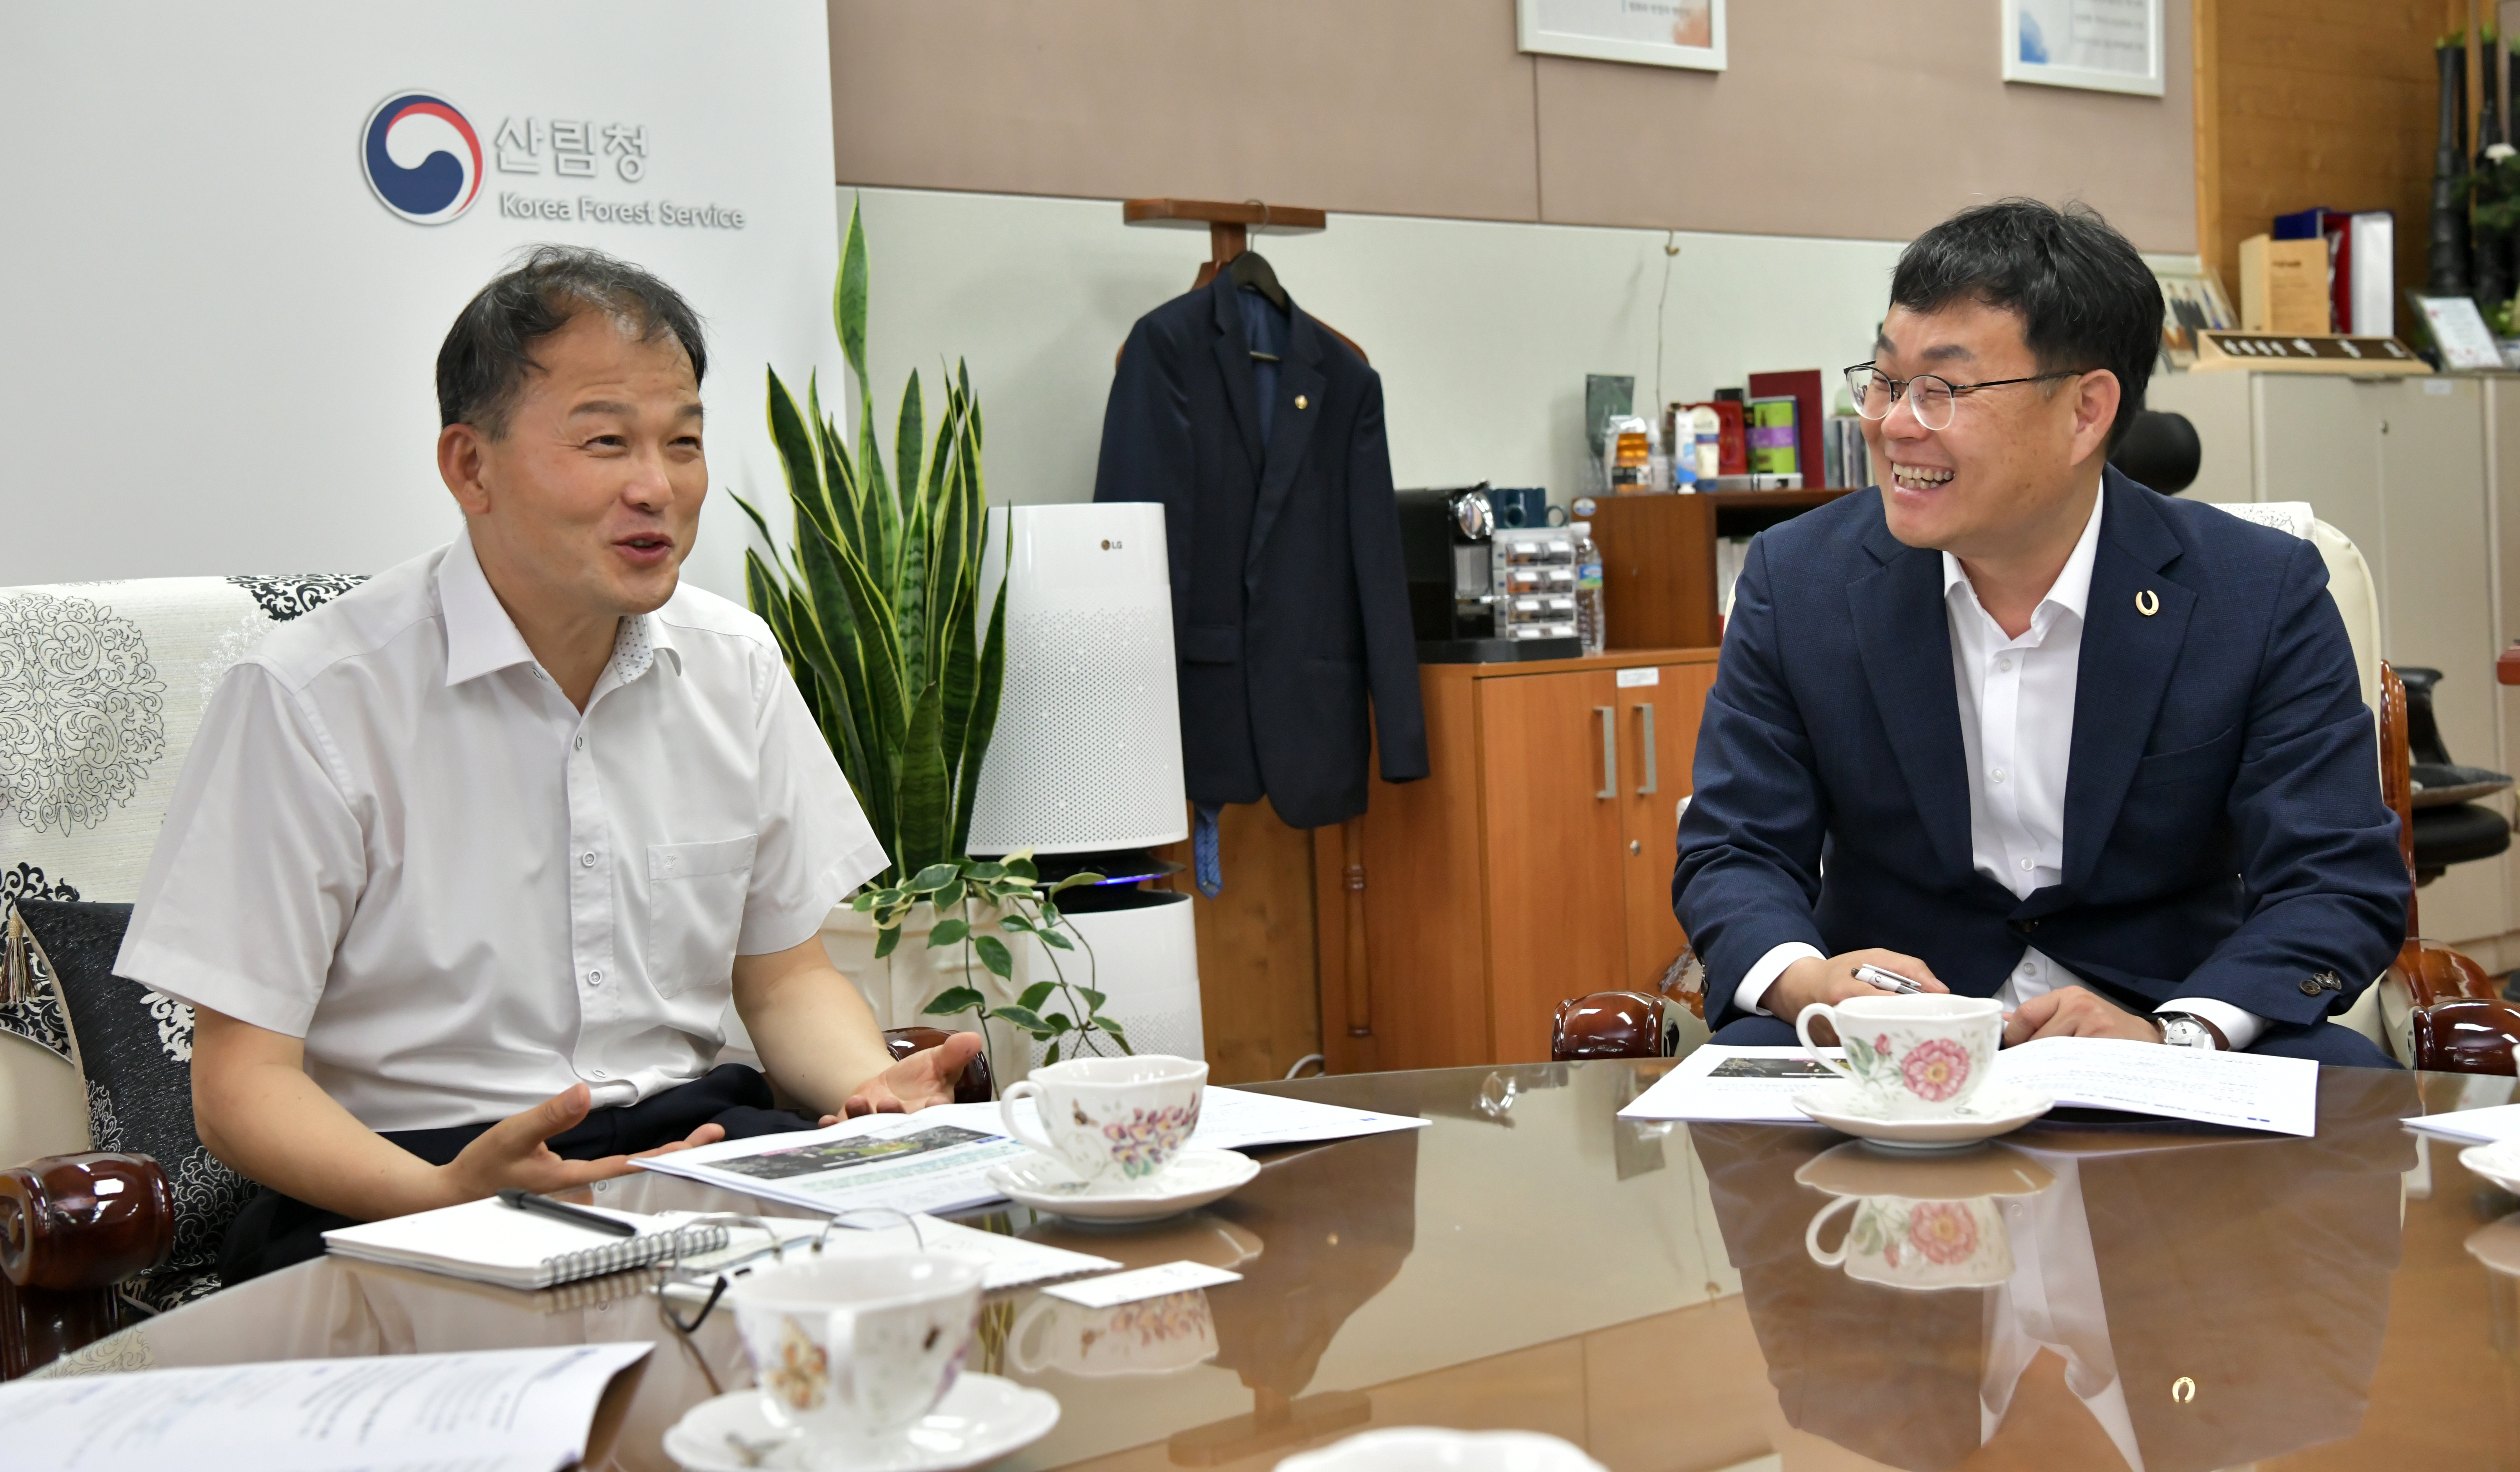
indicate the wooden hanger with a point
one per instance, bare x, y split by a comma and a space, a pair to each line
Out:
1230, 224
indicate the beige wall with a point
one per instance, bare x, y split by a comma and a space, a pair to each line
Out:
1838, 117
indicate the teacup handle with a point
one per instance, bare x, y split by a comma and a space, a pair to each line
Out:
1033, 1313
1811, 1233
1802, 1030
1020, 1090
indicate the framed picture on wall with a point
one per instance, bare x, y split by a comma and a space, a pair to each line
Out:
1651, 32
2101, 45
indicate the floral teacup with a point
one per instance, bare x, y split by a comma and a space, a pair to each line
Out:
1910, 1056
1905, 1243
1932, 1223
854, 1350
1150, 1336
1111, 1120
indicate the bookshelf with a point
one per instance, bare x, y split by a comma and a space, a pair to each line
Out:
1658, 560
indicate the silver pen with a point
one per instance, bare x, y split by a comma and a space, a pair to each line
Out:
1888, 981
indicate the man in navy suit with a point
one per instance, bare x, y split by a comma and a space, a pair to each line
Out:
2012, 725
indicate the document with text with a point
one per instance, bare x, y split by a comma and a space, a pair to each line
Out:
496, 1410
938, 1159
2243, 1091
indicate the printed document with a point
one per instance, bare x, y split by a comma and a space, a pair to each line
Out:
2243, 1091
497, 1410
938, 1159
2471, 1127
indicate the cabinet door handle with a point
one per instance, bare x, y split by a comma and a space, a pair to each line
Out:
1648, 790
1609, 750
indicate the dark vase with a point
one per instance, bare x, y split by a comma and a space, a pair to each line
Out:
2446, 260
2493, 258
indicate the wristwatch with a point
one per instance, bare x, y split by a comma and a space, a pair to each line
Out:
2180, 1030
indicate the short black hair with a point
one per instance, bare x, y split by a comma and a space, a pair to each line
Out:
482, 364
2085, 297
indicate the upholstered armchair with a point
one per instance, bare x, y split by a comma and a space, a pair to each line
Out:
2434, 1009
111, 1209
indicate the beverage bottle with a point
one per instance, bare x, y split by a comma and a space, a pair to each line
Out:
1589, 623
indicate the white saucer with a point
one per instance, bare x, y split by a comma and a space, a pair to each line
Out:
1194, 1179
981, 1419
2498, 1163
1996, 1108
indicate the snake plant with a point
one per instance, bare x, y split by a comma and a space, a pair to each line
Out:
876, 603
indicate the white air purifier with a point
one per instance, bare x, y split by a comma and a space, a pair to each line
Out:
1086, 758
1086, 752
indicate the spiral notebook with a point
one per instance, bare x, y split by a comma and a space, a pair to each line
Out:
493, 1244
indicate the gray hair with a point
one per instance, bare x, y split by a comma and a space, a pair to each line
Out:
482, 368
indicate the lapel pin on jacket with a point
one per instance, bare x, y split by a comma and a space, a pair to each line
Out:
2147, 602
1302, 402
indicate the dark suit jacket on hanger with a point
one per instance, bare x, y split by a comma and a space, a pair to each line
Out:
2225, 835
1289, 600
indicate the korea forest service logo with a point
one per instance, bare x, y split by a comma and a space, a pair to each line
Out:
421, 157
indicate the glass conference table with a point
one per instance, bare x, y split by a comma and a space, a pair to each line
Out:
2111, 1295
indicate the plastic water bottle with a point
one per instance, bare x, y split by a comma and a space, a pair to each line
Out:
1590, 621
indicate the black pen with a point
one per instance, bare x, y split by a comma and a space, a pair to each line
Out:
561, 1211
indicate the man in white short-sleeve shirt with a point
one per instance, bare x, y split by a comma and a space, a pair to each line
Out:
465, 866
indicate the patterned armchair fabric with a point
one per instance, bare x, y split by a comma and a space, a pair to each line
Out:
102, 688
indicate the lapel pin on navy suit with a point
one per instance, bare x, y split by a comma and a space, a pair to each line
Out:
2147, 602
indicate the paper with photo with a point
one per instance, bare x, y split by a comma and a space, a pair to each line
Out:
2243, 1091
904, 1162
938, 1159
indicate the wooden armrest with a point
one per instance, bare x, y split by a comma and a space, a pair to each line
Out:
89, 1221
977, 1086
1611, 1025
2433, 972
2466, 1034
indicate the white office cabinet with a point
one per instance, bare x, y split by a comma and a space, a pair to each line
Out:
2424, 475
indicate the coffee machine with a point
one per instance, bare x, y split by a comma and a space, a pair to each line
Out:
1457, 601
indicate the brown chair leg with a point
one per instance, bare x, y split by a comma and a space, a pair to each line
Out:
39, 1325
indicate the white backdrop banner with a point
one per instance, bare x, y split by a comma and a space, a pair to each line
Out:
238, 233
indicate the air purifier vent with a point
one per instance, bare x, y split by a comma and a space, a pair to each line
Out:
1086, 749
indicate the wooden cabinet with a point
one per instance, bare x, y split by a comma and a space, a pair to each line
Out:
1658, 570
1533, 865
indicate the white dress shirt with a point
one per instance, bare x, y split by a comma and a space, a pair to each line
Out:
2016, 709
2053, 1302
396, 839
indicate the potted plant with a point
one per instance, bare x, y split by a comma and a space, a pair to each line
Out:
875, 605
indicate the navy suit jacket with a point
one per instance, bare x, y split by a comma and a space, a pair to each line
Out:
2224, 833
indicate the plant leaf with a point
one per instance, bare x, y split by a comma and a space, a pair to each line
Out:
1017, 923
956, 1000
1023, 1017
885, 940
1092, 998
925, 822
849, 296
1053, 939
983, 718
950, 896
930, 879
1059, 1023
1052, 1056
1036, 993
948, 934
994, 955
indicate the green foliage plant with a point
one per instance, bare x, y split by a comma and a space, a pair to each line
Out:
877, 604
1066, 1015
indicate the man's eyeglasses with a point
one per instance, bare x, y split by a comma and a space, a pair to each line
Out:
1929, 397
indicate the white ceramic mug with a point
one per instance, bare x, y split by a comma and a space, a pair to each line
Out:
1905, 1243
1151, 1336
852, 1351
1911, 1056
1110, 1119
